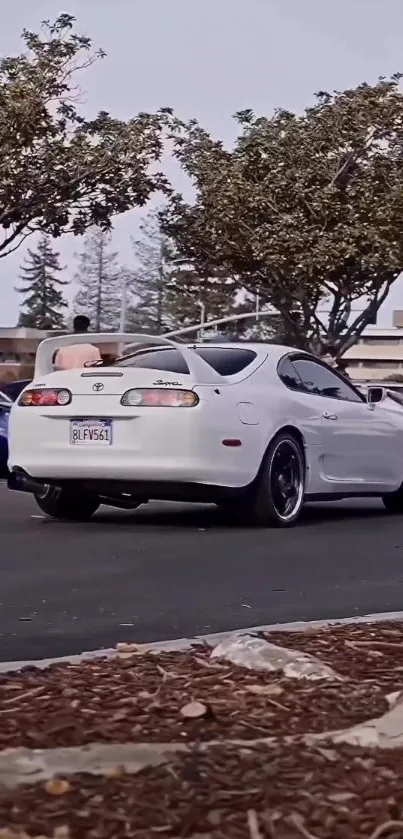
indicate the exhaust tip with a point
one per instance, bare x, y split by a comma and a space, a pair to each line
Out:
21, 482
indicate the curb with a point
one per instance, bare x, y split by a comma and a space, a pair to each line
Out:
20, 766
178, 644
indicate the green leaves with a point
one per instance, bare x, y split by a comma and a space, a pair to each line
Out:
306, 209
60, 172
43, 301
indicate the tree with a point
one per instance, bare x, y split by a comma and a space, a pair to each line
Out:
99, 280
169, 292
43, 303
153, 254
192, 298
60, 172
306, 210
257, 328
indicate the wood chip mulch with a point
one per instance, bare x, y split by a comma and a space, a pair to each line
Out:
370, 652
281, 792
142, 698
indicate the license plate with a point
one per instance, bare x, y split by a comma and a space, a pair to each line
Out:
91, 432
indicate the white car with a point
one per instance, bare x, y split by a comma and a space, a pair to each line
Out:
256, 428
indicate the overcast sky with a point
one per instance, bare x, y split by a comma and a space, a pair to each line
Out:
208, 59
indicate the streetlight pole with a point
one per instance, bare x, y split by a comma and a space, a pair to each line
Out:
202, 318
257, 306
123, 305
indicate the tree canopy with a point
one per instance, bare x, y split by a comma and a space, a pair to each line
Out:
61, 172
306, 209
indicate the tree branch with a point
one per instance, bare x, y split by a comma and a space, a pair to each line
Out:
5, 250
362, 318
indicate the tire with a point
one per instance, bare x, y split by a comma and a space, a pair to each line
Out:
393, 502
277, 497
67, 505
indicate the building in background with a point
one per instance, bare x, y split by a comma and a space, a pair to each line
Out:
18, 346
377, 354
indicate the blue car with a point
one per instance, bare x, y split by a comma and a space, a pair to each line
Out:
13, 389
8, 394
5, 406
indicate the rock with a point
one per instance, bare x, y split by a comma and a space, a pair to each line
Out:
193, 710
124, 647
265, 690
57, 786
258, 654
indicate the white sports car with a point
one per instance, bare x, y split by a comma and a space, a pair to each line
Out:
256, 428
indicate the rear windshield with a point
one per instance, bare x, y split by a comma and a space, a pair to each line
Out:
224, 360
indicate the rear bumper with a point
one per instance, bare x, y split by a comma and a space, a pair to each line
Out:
145, 490
136, 471
158, 447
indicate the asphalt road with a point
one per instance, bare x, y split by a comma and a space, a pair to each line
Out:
167, 571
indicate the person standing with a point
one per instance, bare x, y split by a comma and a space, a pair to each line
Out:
77, 355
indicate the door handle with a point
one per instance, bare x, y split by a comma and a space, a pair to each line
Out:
328, 416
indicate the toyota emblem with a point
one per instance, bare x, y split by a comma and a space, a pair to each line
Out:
98, 386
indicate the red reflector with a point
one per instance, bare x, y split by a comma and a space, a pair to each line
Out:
232, 443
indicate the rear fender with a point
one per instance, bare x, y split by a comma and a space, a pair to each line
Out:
294, 432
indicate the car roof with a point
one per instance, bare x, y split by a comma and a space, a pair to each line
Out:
276, 351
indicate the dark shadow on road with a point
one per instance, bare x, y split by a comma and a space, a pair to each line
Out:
209, 516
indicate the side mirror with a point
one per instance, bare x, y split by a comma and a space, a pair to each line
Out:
376, 394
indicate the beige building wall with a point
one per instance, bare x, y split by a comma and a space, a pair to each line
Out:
18, 348
378, 353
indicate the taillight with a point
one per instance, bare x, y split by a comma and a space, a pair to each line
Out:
159, 398
45, 397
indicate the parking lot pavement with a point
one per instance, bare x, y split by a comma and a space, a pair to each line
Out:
168, 570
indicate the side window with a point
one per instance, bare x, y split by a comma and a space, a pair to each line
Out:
321, 381
288, 375
165, 360
226, 361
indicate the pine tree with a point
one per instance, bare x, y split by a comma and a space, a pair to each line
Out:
168, 292
99, 280
152, 252
191, 298
43, 301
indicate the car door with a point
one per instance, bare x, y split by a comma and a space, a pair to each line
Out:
359, 442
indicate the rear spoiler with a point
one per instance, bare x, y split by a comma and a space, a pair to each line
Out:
202, 371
